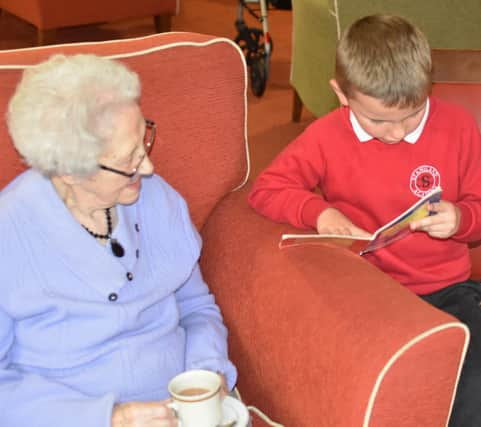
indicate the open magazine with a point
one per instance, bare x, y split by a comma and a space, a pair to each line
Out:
387, 234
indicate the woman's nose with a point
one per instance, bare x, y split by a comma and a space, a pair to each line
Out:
146, 167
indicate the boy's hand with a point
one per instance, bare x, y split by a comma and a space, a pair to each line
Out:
332, 221
442, 225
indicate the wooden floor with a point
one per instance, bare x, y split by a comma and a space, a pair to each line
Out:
269, 118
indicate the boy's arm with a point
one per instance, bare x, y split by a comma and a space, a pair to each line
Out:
284, 192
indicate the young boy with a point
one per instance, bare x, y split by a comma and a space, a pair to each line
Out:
388, 145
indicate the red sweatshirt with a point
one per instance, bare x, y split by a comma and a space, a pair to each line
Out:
373, 182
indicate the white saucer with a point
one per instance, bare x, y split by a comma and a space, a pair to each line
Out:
234, 409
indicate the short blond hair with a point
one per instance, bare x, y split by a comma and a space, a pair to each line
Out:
385, 57
55, 115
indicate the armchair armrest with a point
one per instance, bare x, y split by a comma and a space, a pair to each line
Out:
320, 336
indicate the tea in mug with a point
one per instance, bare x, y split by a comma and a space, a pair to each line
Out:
193, 391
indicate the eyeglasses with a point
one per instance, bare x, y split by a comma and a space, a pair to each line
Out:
149, 138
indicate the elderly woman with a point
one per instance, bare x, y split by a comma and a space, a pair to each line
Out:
102, 299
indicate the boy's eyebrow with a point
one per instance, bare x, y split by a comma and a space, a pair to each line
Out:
404, 118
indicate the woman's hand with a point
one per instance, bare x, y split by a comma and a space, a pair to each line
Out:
442, 225
143, 414
332, 221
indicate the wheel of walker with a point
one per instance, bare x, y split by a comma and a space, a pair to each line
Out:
258, 73
249, 40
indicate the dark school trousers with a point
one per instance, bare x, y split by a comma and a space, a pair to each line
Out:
462, 300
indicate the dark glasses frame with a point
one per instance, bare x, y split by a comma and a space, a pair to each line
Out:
149, 124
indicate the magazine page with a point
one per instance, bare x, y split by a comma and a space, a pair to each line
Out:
288, 240
389, 233
399, 227
354, 244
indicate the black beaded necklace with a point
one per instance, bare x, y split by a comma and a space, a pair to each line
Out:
117, 248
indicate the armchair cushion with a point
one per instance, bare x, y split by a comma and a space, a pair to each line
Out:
320, 336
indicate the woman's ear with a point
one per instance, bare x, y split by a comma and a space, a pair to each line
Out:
339, 93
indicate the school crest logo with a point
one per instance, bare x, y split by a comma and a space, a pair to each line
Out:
424, 179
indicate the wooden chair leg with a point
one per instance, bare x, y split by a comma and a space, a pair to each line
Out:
45, 37
162, 23
296, 106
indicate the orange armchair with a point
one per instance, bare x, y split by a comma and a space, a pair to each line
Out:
47, 15
320, 337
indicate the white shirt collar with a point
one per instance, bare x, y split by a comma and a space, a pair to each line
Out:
412, 137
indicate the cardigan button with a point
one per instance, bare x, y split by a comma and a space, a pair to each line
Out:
137, 253
130, 276
137, 228
113, 297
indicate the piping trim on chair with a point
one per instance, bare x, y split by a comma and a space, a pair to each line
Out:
163, 47
402, 350
335, 12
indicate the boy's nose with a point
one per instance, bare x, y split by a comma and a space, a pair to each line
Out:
397, 132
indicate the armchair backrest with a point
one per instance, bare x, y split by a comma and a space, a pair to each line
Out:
457, 78
467, 94
193, 87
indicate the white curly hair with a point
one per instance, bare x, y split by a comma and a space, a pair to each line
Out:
57, 116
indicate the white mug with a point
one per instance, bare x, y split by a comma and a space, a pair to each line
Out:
196, 398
